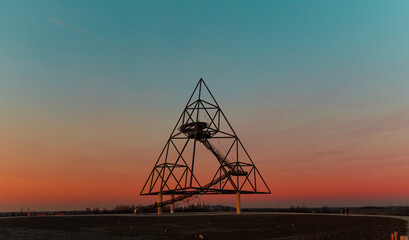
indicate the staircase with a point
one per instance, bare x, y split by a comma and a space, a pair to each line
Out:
223, 160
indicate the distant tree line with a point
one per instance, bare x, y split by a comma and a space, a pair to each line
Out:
202, 207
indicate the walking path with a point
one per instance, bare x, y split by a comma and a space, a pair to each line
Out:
406, 218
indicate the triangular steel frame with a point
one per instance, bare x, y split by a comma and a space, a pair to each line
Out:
231, 177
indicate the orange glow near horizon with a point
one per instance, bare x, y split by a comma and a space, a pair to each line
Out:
92, 185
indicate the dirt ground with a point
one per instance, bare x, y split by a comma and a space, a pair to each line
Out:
246, 226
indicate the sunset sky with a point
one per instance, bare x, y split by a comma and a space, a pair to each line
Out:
318, 92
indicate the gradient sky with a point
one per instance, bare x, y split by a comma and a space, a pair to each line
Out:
318, 92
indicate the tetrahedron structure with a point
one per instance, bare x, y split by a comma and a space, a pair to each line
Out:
203, 129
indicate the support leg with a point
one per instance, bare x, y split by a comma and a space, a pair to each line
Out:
238, 204
159, 203
172, 205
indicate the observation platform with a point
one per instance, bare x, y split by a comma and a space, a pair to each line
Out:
198, 130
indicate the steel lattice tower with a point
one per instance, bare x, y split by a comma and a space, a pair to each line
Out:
203, 123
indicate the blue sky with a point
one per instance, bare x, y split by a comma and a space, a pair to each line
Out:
139, 45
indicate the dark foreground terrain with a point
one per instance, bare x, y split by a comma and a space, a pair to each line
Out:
252, 226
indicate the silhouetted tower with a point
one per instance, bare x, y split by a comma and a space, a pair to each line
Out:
203, 124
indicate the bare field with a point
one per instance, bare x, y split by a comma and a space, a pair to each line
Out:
246, 226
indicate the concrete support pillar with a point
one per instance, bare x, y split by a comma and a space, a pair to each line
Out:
238, 203
172, 205
159, 203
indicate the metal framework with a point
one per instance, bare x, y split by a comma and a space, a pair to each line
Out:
202, 122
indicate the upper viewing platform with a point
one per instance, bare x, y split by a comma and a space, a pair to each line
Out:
197, 130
